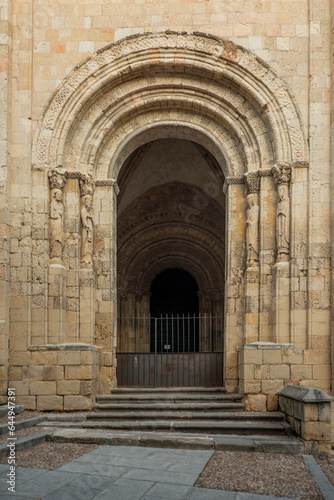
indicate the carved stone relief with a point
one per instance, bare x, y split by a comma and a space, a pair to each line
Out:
87, 244
282, 175
57, 180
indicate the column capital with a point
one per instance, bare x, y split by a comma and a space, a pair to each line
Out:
282, 173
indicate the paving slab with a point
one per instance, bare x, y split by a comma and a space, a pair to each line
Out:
169, 491
124, 489
44, 484
96, 469
162, 476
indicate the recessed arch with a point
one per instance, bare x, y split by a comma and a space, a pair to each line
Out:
261, 100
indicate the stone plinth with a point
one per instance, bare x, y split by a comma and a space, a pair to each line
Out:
308, 411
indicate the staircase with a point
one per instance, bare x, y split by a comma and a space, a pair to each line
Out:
183, 417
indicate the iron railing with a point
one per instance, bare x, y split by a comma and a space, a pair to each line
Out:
170, 350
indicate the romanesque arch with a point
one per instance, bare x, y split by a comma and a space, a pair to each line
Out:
190, 86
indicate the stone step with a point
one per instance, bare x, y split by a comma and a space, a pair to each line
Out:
22, 443
263, 444
206, 427
227, 406
155, 390
22, 424
174, 397
186, 415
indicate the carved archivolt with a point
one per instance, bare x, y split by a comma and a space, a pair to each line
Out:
242, 107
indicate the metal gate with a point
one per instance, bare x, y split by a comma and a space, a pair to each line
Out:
170, 351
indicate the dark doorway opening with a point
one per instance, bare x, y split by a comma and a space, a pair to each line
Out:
174, 311
174, 291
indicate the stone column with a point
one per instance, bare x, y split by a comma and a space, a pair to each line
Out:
251, 323
87, 274
281, 269
234, 284
267, 256
57, 271
105, 207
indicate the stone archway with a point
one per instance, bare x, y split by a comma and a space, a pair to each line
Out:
170, 85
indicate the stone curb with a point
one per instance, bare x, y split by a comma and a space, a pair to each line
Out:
219, 442
327, 490
22, 424
23, 443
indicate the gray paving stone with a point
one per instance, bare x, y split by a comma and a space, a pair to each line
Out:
123, 451
44, 484
167, 457
161, 476
123, 489
92, 482
170, 491
208, 494
96, 469
4, 468
71, 493
125, 461
14, 496
26, 473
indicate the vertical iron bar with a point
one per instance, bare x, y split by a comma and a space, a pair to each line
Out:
183, 348
155, 351
189, 351
178, 349
194, 363
172, 346
161, 349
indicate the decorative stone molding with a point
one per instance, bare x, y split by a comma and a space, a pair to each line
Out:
265, 172
232, 180
300, 164
57, 179
107, 183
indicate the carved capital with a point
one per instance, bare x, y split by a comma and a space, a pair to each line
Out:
252, 180
282, 173
57, 177
87, 185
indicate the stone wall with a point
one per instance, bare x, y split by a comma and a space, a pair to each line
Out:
265, 368
56, 377
45, 44
5, 140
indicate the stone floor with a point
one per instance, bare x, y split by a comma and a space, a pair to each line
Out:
130, 473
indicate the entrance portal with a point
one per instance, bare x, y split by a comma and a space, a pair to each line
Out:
171, 252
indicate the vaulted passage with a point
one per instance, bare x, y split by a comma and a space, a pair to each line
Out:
171, 246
